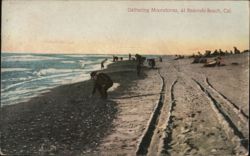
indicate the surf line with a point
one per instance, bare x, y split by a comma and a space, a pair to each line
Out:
142, 148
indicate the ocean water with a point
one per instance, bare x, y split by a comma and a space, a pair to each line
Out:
24, 76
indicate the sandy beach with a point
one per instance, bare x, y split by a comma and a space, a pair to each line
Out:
178, 108
125, 78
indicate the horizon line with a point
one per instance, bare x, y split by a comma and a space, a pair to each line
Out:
78, 53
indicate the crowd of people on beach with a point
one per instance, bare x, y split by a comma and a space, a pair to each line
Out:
102, 81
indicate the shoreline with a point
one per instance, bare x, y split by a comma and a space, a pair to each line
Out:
49, 88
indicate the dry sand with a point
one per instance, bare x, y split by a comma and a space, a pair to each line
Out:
203, 119
178, 109
199, 115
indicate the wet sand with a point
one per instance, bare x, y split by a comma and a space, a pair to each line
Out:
178, 109
65, 120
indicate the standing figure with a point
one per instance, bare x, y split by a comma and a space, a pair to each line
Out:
102, 66
138, 66
129, 56
102, 82
102, 63
160, 59
151, 63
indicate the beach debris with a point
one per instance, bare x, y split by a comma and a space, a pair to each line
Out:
208, 53
210, 64
216, 62
179, 57
199, 60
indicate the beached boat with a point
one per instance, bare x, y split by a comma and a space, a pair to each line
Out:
210, 64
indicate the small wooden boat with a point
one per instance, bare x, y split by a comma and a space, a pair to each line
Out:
210, 64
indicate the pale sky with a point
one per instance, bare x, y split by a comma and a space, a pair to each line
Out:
81, 27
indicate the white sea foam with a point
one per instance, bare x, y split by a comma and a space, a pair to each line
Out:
86, 62
18, 79
93, 67
72, 79
35, 79
44, 72
13, 97
84, 56
108, 62
82, 77
70, 62
22, 91
16, 99
22, 95
26, 58
13, 69
98, 66
83, 63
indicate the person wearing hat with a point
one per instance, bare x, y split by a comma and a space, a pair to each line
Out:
102, 82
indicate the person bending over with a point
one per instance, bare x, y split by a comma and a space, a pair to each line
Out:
102, 82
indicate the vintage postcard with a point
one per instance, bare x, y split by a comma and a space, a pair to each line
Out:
124, 78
